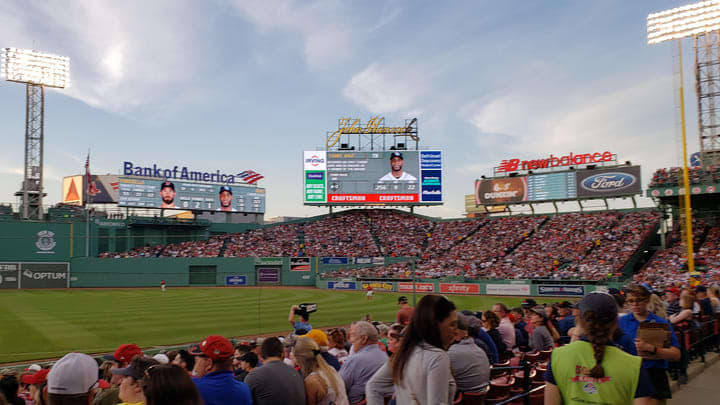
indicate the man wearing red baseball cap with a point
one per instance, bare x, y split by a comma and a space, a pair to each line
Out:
121, 359
213, 375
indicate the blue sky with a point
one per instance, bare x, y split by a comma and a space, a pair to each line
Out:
234, 85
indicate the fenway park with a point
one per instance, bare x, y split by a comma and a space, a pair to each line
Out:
248, 232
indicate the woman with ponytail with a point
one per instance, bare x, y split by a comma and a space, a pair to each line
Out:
593, 370
323, 385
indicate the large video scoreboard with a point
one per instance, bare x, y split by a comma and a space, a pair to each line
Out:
403, 177
569, 185
183, 195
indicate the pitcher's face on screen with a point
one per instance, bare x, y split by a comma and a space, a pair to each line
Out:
167, 193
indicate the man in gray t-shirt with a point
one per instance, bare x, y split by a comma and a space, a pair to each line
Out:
275, 383
469, 363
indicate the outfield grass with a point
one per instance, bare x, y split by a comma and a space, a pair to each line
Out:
40, 324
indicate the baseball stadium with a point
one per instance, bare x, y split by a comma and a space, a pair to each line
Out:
179, 265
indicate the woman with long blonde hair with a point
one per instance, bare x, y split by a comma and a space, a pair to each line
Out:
323, 385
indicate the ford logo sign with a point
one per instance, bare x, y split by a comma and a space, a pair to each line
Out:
608, 182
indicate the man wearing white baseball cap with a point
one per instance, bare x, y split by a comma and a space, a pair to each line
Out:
71, 379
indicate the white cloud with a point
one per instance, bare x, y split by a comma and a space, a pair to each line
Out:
385, 89
326, 42
120, 59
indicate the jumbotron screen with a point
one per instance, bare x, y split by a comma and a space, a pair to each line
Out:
578, 184
182, 195
402, 177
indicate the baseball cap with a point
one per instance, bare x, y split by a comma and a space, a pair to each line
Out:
402, 300
225, 188
34, 367
673, 290
565, 304
318, 336
162, 358
215, 347
528, 303
396, 154
540, 311
167, 183
701, 288
129, 371
124, 353
614, 291
602, 304
75, 373
38, 377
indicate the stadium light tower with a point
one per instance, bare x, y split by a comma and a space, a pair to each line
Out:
701, 21
36, 70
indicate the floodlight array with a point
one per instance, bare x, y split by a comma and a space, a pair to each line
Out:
683, 21
27, 66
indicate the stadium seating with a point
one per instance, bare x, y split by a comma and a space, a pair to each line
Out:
567, 246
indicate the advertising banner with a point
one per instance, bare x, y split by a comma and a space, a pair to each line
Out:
275, 261
103, 189
609, 182
507, 289
377, 286
299, 264
72, 190
501, 191
335, 260
44, 275
268, 275
145, 193
458, 288
419, 287
387, 177
562, 290
315, 166
9, 275
363, 260
341, 285
235, 280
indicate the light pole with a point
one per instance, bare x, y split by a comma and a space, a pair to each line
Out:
36, 70
702, 22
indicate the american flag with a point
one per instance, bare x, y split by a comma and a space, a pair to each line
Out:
250, 176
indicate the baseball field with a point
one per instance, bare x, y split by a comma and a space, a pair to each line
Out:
43, 324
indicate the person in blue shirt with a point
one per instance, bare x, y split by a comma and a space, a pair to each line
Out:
566, 321
302, 326
214, 377
655, 358
482, 339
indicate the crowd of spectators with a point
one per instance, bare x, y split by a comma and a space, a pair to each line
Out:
279, 240
577, 245
673, 176
668, 267
399, 234
432, 354
340, 235
202, 248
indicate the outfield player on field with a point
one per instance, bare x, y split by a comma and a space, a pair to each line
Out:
369, 294
396, 169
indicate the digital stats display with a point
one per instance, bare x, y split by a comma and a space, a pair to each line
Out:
181, 195
374, 177
585, 183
